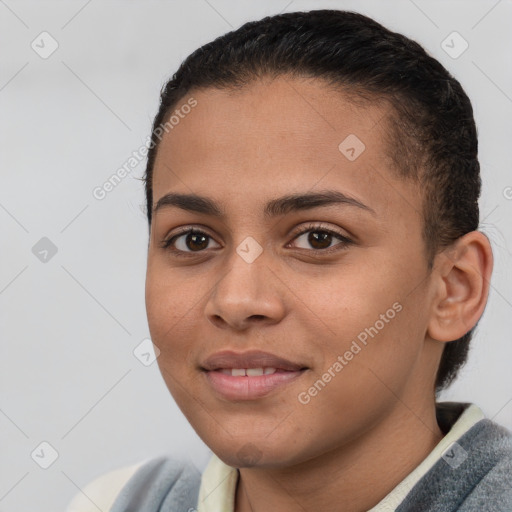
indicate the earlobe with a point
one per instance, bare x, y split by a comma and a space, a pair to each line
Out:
462, 279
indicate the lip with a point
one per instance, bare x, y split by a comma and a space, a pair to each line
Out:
248, 359
249, 387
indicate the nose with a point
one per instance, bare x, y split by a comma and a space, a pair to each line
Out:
247, 294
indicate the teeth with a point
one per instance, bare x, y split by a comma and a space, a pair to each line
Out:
247, 372
254, 372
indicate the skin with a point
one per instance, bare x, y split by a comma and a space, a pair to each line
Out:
374, 422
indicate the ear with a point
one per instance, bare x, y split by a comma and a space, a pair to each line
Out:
462, 277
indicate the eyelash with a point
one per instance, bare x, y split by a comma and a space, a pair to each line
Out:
167, 244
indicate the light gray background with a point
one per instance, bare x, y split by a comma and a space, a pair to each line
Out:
69, 326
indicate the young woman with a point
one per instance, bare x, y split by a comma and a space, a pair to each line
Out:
314, 277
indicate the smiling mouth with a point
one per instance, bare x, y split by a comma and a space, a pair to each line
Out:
248, 375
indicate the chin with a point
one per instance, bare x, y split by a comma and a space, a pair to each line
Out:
254, 452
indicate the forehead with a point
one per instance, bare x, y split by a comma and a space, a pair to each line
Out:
279, 136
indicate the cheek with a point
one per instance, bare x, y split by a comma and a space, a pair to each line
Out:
371, 328
172, 322
358, 383
347, 302
168, 302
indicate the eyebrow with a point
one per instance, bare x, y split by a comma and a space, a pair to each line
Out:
274, 208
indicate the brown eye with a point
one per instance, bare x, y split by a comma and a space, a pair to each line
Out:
320, 239
189, 241
195, 241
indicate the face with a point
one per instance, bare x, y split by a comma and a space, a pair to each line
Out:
334, 289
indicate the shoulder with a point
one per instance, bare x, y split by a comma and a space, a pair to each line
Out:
141, 486
102, 492
494, 489
473, 474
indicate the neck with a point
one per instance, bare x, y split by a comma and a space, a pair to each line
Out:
352, 477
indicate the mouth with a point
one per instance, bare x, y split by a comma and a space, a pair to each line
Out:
249, 375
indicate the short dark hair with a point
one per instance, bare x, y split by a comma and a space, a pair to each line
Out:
431, 133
